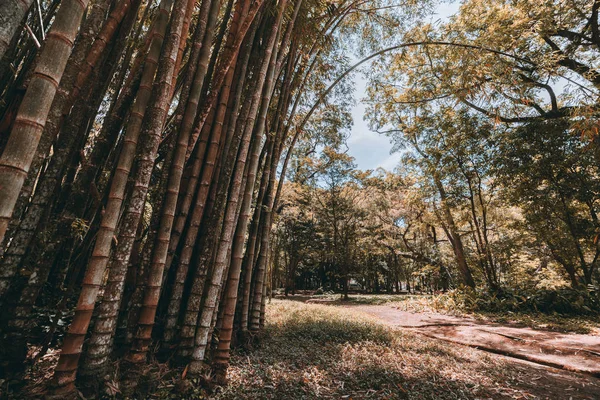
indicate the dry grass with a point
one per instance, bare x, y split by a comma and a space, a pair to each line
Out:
318, 352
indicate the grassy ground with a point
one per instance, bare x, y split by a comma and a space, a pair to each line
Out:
311, 351
317, 352
445, 305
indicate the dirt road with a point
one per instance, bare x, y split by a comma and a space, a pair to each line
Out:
542, 364
573, 352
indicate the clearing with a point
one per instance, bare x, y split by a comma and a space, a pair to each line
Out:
315, 351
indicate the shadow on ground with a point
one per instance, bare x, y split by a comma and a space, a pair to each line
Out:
318, 352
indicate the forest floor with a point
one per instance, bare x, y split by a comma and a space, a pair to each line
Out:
316, 351
342, 350
553, 344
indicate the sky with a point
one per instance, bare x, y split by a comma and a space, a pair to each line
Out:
370, 149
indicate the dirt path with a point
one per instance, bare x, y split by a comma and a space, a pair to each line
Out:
538, 364
580, 353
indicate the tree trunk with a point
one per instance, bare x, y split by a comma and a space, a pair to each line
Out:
23, 233
11, 16
222, 80
209, 161
231, 288
186, 127
35, 106
454, 237
228, 56
64, 376
214, 285
153, 124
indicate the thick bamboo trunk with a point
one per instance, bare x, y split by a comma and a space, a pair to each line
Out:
263, 304
105, 143
273, 193
29, 124
230, 221
50, 241
208, 161
17, 65
200, 48
154, 121
255, 309
208, 240
215, 207
211, 293
23, 233
141, 339
218, 317
235, 101
272, 198
104, 37
41, 222
139, 259
123, 96
229, 54
232, 283
162, 213
190, 240
64, 376
248, 260
187, 124
11, 15
41, 259
218, 43
185, 30
216, 198
42, 252
271, 165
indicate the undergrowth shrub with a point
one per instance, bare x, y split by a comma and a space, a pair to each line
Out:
564, 301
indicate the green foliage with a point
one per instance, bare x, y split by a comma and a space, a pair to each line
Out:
553, 176
79, 228
318, 237
564, 301
492, 110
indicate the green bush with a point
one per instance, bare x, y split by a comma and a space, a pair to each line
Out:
564, 301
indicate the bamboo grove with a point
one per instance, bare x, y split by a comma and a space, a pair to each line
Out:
143, 150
